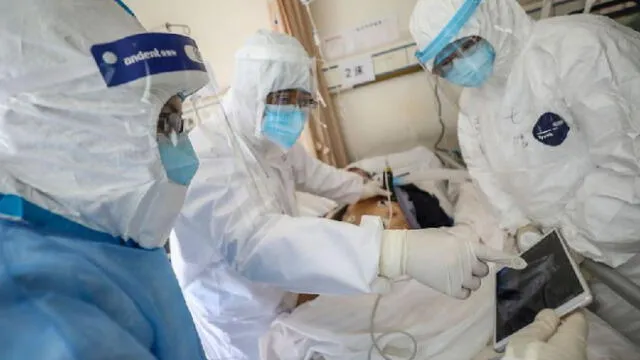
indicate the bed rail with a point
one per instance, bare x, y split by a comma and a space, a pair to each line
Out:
617, 282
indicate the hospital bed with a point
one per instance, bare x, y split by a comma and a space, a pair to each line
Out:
443, 328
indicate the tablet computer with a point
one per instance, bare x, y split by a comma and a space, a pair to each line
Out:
552, 280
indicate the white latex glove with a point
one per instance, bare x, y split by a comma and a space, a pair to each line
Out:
372, 189
549, 338
444, 259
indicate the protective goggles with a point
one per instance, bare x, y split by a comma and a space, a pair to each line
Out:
448, 33
174, 123
443, 62
298, 97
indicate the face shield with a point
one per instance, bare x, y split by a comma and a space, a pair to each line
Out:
444, 46
470, 44
159, 56
463, 60
286, 113
466, 62
245, 180
272, 96
89, 108
288, 102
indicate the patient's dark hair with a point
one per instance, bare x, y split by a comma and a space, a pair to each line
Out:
339, 214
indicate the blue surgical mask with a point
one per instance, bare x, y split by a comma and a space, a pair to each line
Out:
474, 68
283, 124
180, 160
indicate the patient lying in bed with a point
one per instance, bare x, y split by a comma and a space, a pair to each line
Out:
426, 213
422, 209
444, 328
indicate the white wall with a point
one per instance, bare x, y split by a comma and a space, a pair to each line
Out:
393, 115
219, 26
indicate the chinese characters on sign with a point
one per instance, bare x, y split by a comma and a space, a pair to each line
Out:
371, 35
356, 71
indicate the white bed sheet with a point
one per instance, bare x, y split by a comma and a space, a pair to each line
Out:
445, 328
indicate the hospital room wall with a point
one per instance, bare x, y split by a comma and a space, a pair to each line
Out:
390, 116
219, 26
393, 115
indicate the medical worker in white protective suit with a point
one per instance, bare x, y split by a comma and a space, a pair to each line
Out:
238, 247
90, 183
549, 124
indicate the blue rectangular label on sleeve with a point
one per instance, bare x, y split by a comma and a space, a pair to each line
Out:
143, 55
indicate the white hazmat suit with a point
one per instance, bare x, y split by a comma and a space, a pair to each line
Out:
231, 247
238, 247
552, 137
87, 198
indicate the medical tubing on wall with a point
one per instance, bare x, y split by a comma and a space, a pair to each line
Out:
321, 60
443, 129
389, 188
314, 28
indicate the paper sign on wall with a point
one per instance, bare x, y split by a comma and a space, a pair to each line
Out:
356, 71
337, 46
375, 33
367, 36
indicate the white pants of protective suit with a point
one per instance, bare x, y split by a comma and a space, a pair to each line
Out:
615, 310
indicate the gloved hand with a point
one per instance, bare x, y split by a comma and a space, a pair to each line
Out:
445, 259
372, 189
549, 338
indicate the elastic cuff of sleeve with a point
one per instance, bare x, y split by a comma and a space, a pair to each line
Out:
393, 254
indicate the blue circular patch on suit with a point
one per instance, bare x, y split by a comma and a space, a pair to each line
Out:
551, 129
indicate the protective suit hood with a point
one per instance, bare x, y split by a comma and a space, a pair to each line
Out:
74, 141
501, 22
267, 62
